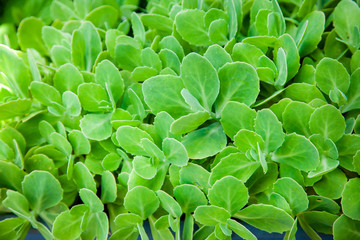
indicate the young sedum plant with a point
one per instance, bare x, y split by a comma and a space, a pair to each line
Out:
196, 118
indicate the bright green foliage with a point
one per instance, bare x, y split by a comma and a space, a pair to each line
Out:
42, 190
260, 216
141, 201
197, 118
350, 201
229, 193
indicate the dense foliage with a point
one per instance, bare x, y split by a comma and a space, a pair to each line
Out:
209, 112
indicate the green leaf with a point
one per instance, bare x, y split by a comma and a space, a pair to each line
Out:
96, 126
90, 200
292, 55
45, 93
62, 10
40, 162
93, 97
162, 123
235, 164
246, 140
218, 31
33, 65
236, 116
52, 36
150, 59
346, 19
347, 146
229, 193
108, 187
331, 184
296, 117
42, 190
309, 32
234, 10
356, 161
162, 93
137, 104
102, 225
6, 152
270, 129
138, 28
171, 43
248, 53
353, 97
169, 204
71, 103
103, 16
15, 72
355, 61
162, 223
189, 197
13, 228
61, 143
282, 68
200, 78
266, 217
127, 220
159, 22
85, 46
129, 138
14, 108
195, 174
130, 233
144, 167
279, 201
128, 56
83, 178
29, 35
140, 74
312, 221
205, 142
11, 176
328, 153
331, 75
60, 55
191, 101
350, 199
217, 56
191, 26
79, 142
279, 108
240, 230
151, 148
211, 215
298, 152
109, 77
346, 228
141, 201
306, 74
188, 122
297, 197
67, 78
17, 203
175, 152
328, 121
170, 60
70, 224
239, 82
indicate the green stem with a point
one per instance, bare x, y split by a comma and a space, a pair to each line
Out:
188, 227
142, 232
177, 232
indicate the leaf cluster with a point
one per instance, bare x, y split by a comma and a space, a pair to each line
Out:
210, 113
